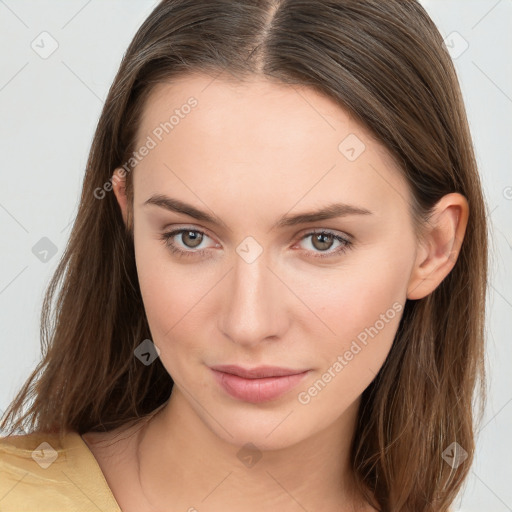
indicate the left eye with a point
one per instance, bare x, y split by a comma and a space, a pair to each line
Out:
191, 238
322, 241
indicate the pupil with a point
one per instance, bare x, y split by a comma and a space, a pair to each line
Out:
195, 236
324, 239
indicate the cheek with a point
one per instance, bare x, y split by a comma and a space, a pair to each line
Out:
174, 297
364, 310
163, 288
359, 305
166, 305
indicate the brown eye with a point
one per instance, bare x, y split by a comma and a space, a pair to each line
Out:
322, 241
191, 239
186, 245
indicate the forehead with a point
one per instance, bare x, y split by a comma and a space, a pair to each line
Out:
261, 138
274, 113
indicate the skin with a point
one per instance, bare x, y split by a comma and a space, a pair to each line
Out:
249, 154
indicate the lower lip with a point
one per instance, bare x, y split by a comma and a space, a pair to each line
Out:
257, 390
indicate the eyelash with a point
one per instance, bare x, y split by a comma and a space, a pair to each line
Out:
166, 238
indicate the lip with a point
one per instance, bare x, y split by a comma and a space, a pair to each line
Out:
257, 385
256, 373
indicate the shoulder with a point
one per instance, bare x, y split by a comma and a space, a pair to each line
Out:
44, 472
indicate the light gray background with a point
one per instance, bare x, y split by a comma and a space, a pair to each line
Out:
49, 108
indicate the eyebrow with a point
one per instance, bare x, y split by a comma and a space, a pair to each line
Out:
331, 211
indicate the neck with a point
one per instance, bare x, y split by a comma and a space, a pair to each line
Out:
181, 461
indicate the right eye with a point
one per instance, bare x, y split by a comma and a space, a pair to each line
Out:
190, 238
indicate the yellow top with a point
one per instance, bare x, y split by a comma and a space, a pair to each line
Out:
39, 474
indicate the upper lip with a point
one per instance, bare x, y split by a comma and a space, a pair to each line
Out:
256, 373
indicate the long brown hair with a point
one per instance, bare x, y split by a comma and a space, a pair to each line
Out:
385, 63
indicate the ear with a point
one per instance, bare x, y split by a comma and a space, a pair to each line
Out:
441, 245
119, 188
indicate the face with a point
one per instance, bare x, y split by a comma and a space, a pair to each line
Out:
244, 284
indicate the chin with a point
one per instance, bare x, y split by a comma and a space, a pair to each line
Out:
266, 430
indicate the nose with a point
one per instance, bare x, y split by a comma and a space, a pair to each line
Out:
256, 302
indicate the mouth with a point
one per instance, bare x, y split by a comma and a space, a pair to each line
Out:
256, 373
256, 385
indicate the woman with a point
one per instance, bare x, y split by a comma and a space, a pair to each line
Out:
274, 291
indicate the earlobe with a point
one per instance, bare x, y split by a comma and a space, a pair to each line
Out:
441, 246
119, 188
